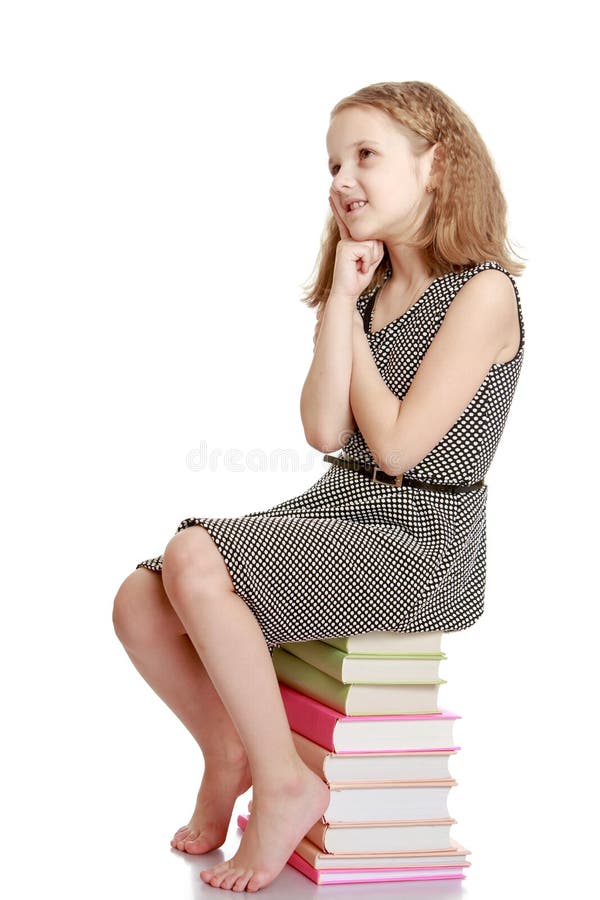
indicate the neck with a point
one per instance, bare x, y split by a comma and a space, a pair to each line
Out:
408, 270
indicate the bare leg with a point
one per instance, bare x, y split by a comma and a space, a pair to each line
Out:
157, 644
288, 797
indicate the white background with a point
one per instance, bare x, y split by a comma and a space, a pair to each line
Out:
163, 191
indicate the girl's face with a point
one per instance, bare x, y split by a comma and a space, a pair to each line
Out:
371, 159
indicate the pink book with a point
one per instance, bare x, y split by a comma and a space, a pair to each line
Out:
366, 734
374, 873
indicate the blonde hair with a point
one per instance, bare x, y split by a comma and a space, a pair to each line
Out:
466, 222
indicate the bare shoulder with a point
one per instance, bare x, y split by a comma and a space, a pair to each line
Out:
491, 293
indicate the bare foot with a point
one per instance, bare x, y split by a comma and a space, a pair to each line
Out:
279, 820
222, 784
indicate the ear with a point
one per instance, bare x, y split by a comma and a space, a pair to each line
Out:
434, 162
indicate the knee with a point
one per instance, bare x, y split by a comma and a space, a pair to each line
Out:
185, 560
136, 614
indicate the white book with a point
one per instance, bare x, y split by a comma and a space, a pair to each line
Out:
388, 803
389, 642
346, 768
388, 837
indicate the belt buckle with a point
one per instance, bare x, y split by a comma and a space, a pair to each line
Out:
397, 482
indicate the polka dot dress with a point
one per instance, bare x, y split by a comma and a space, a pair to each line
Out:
349, 555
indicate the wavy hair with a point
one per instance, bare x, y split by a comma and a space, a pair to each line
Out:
464, 219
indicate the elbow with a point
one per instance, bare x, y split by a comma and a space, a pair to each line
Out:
395, 452
393, 459
326, 439
322, 442
313, 433
326, 433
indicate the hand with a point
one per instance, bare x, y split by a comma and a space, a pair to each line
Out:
355, 261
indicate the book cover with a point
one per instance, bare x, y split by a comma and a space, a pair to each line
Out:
355, 699
324, 725
457, 856
398, 802
361, 668
389, 642
349, 768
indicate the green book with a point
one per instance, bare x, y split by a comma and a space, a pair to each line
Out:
355, 699
368, 668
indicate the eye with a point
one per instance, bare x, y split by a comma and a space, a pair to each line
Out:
333, 170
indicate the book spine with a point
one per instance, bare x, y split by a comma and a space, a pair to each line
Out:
311, 681
340, 664
322, 656
309, 718
311, 754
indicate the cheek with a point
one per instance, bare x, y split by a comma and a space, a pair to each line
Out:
403, 197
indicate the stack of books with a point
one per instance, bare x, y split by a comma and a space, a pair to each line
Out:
364, 716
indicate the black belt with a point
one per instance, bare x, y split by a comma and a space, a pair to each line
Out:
377, 474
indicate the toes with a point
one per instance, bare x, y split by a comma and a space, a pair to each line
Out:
230, 878
242, 881
198, 848
215, 873
184, 840
192, 842
256, 882
180, 835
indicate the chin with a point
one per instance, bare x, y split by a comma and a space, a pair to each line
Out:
365, 233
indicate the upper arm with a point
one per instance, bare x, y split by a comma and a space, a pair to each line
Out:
475, 328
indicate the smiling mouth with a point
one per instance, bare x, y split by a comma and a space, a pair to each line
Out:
356, 209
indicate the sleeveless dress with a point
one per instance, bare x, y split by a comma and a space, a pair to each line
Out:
349, 555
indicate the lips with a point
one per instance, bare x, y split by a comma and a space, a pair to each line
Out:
356, 209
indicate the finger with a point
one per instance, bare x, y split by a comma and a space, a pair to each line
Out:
344, 233
377, 252
339, 215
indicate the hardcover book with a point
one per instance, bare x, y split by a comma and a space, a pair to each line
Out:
335, 731
355, 699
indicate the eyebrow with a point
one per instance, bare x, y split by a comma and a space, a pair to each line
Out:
356, 143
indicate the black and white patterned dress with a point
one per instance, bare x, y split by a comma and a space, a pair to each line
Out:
350, 555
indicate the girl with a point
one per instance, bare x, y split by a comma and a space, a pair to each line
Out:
418, 348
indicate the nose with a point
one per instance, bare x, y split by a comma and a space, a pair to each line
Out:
342, 180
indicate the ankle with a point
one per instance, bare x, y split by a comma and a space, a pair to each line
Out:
226, 759
289, 780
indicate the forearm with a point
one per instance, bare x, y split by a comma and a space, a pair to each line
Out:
375, 407
325, 399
